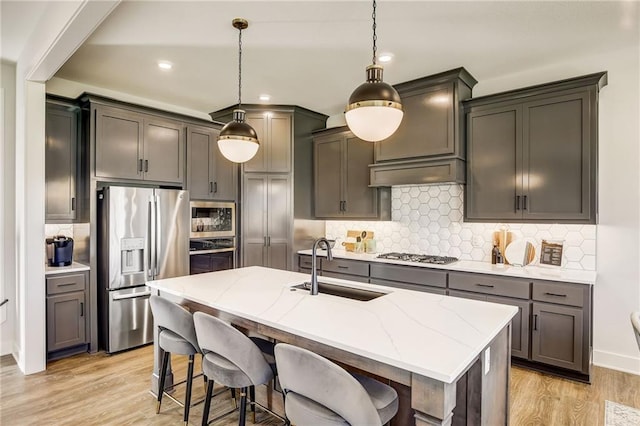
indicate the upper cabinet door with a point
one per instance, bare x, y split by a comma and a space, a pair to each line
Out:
200, 161
275, 135
494, 176
279, 143
163, 151
558, 161
427, 128
119, 144
60, 163
359, 199
259, 163
328, 158
225, 174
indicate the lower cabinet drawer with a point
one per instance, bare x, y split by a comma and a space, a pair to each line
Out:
65, 283
343, 266
409, 274
560, 293
409, 286
304, 261
358, 278
489, 284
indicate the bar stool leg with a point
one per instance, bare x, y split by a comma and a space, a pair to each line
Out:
163, 373
243, 407
233, 396
187, 397
207, 403
252, 398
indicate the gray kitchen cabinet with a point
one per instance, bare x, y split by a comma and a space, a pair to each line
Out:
210, 176
341, 178
275, 132
61, 162
135, 146
561, 329
266, 212
532, 153
428, 147
67, 314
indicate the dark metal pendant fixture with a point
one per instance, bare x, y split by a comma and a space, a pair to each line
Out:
238, 141
375, 110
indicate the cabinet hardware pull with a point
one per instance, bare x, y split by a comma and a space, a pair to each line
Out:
343, 267
264, 242
146, 166
345, 206
73, 204
215, 187
341, 209
535, 322
140, 165
556, 294
525, 204
66, 284
517, 202
81, 309
4, 302
484, 285
210, 187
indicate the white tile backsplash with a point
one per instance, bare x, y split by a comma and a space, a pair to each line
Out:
428, 219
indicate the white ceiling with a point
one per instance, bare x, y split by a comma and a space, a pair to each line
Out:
314, 53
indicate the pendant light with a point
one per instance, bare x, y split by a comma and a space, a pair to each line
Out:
238, 141
375, 110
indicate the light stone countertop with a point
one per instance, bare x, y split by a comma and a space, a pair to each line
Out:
74, 267
431, 335
537, 272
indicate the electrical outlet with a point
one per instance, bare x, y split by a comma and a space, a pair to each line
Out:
487, 361
476, 241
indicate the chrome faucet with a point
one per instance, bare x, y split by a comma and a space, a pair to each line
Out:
314, 270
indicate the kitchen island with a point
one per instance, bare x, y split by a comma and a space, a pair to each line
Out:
448, 358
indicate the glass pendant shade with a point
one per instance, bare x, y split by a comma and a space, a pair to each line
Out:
238, 141
375, 110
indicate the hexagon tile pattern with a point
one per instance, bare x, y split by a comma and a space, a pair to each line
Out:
428, 219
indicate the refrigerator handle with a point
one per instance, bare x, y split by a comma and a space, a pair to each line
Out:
151, 238
156, 237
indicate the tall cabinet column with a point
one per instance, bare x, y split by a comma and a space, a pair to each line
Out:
276, 184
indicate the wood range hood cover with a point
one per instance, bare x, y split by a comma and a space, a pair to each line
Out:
429, 145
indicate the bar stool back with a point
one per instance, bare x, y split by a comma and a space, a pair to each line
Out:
177, 336
319, 392
230, 358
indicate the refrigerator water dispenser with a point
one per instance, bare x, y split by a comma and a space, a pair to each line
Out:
132, 255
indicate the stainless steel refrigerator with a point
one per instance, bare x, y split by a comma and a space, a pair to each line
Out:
143, 235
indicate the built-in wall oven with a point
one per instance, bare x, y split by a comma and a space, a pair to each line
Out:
212, 254
212, 246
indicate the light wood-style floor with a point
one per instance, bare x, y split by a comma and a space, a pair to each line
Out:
100, 389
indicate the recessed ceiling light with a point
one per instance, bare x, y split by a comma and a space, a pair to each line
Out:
265, 97
165, 65
385, 57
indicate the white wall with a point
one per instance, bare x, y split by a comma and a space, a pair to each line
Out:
7, 215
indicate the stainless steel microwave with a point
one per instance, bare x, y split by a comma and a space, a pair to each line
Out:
213, 219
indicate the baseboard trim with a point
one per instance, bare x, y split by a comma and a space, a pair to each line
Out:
613, 361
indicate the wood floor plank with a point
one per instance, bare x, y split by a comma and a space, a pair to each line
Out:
100, 389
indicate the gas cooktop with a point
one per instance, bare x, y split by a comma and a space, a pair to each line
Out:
420, 258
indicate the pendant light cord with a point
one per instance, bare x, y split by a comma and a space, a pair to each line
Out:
375, 37
239, 68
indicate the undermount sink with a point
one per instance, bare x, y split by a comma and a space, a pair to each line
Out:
341, 291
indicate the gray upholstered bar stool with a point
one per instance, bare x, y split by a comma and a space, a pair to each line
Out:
319, 392
635, 321
177, 336
231, 359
